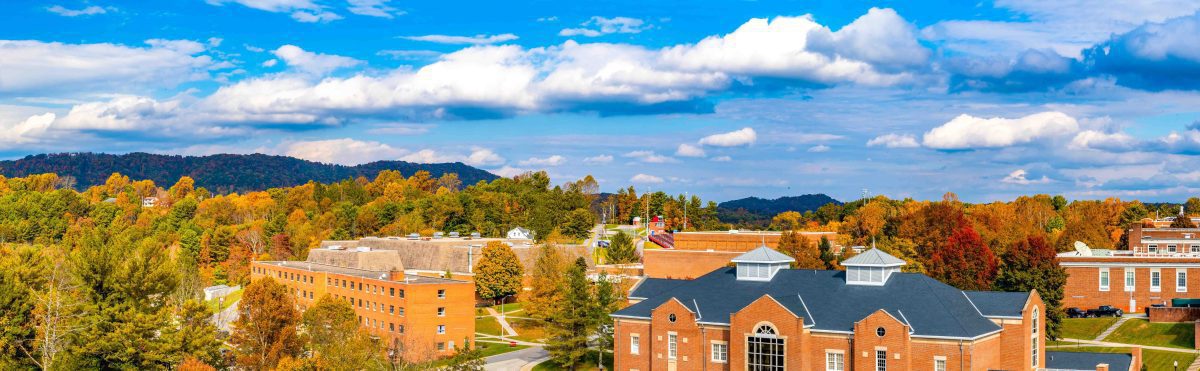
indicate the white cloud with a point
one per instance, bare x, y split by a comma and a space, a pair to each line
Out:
509, 171
474, 40
301, 10
31, 130
819, 148
478, 157
343, 151
740, 137
966, 131
722, 159
599, 26
65, 12
688, 150
894, 141
270, 63
1095, 139
645, 179
316, 64
35, 66
598, 159
554, 160
649, 157
1019, 176
373, 8
552, 18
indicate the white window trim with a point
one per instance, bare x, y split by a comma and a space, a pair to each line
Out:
876, 363
829, 352
1130, 279
1181, 273
945, 365
672, 345
1103, 275
1152, 248
713, 350
635, 344
1153, 287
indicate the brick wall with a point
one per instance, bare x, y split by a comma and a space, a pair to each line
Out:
741, 242
1082, 289
1174, 314
679, 264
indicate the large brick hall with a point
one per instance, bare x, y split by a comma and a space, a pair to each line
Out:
761, 315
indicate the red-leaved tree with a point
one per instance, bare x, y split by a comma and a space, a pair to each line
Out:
964, 261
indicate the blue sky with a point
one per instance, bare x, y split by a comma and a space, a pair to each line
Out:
724, 99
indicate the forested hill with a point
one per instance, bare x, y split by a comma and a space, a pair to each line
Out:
219, 173
755, 211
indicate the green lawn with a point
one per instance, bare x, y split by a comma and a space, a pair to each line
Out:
1151, 359
233, 297
589, 363
1142, 332
528, 329
487, 325
491, 349
1085, 328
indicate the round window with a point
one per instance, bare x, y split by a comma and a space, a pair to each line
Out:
880, 331
671, 317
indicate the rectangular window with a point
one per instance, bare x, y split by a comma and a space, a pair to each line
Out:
392, 291
391, 327
1103, 279
441, 312
672, 347
835, 361
401, 328
441, 346
441, 294
1170, 248
720, 352
1034, 353
1181, 280
441, 329
939, 365
634, 344
1155, 280
880, 360
1152, 248
1129, 279
391, 309
401, 294
1195, 248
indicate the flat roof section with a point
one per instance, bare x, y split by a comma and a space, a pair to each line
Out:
368, 274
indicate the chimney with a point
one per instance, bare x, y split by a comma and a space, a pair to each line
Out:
396, 275
1102, 367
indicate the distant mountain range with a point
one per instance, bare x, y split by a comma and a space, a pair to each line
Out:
219, 173
754, 211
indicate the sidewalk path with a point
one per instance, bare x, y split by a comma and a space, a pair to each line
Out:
1122, 345
517, 360
508, 330
1112, 328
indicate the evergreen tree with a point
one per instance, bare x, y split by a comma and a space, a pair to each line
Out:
826, 250
621, 249
195, 338
498, 273
606, 302
1032, 264
546, 283
266, 328
570, 327
579, 223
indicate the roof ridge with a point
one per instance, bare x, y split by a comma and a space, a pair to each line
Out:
942, 302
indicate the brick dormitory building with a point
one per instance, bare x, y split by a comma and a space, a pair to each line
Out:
422, 317
762, 315
1160, 264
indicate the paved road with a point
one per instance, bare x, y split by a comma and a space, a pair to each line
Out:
226, 317
514, 361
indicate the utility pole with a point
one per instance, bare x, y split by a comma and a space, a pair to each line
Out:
686, 200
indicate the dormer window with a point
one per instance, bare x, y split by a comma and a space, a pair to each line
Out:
871, 268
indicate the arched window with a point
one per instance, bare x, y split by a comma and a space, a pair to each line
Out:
765, 350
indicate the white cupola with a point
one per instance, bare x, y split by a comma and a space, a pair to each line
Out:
871, 268
761, 264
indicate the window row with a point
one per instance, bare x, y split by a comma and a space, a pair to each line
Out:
289, 276
374, 323
1155, 279
1170, 248
364, 287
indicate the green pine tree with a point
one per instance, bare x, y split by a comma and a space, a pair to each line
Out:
569, 329
621, 249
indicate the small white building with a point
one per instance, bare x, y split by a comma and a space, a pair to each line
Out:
519, 233
149, 201
219, 291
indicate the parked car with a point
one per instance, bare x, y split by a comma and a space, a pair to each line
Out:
1105, 311
1076, 313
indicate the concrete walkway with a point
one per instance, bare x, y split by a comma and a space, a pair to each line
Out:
1120, 345
508, 330
523, 359
1110, 329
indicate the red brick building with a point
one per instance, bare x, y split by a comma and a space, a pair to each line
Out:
761, 315
1161, 264
694, 254
422, 317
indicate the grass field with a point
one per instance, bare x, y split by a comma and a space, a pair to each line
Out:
589, 363
1085, 328
233, 297
487, 325
1151, 359
528, 329
491, 349
1142, 332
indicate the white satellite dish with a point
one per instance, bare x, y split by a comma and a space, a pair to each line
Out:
1082, 248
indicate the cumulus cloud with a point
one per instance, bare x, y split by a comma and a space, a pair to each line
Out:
740, 137
966, 131
313, 63
31, 130
1020, 176
345, 151
819, 148
36, 66
1154, 56
894, 141
478, 157
66, 12
649, 157
688, 150
645, 179
554, 160
600, 26
301, 10
508, 171
598, 160
474, 40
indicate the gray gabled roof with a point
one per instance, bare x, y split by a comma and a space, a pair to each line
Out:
823, 298
1087, 361
873, 258
763, 254
999, 304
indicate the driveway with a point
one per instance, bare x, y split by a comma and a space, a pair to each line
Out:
514, 361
